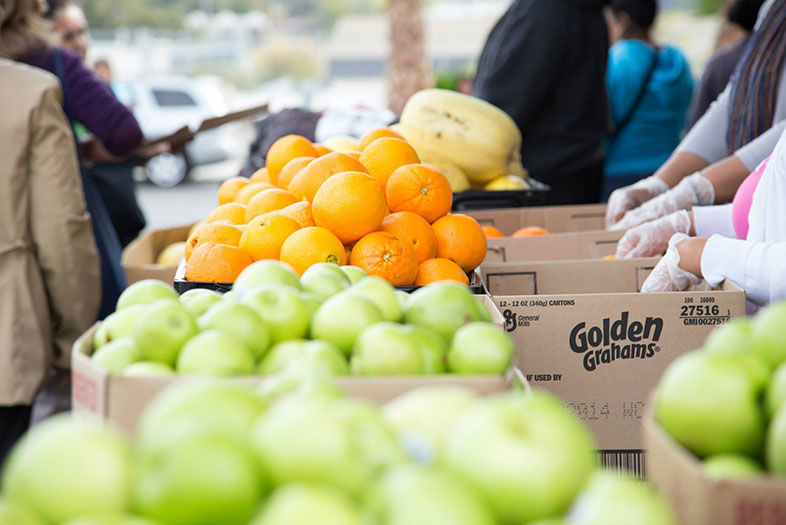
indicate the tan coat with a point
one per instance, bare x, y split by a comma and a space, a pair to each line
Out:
49, 270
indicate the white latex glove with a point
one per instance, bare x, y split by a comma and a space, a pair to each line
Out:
652, 238
633, 196
694, 190
667, 275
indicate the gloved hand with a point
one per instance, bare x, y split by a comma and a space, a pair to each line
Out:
691, 191
633, 196
652, 238
667, 275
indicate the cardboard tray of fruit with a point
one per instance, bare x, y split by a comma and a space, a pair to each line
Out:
537, 195
182, 285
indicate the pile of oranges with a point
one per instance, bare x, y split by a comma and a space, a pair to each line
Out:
378, 208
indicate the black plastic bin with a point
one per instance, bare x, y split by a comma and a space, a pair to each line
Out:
538, 195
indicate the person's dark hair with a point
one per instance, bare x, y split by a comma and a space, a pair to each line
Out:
641, 12
744, 13
53, 8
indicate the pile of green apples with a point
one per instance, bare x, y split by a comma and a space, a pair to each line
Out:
211, 452
335, 318
726, 402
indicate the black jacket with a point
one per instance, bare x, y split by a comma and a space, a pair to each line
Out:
544, 63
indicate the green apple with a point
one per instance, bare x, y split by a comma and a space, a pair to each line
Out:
145, 292
283, 311
202, 477
381, 293
526, 455
734, 341
417, 495
403, 299
776, 443
65, 468
611, 499
480, 348
117, 325
550, 521
710, 406
214, 353
313, 302
776, 391
206, 406
342, 318
324, 280
13, 514
117, 354
353, 273
386, 349
304, 354
308, 504
769, 342
337, 442
162, 330
294, 382
483, 311
198, 300
433, 349
262, 273
112, 520
423, 417
731, 466
147, 369
443, 307
240, 322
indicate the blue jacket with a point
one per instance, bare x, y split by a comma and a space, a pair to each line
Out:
653, 131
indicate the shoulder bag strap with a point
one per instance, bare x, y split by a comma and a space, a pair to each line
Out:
626, 120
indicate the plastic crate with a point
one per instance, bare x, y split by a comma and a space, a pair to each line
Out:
538, 195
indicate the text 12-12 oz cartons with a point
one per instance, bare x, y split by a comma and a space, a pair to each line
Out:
122, 399
584, 332
556, 219
697, 500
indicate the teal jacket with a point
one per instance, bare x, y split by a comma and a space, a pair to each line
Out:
654, 129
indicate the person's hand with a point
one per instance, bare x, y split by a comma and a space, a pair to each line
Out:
694, 190
652, 238
679, 269
149, 151
633, 196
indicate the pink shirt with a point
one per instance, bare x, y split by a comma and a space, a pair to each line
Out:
743, 200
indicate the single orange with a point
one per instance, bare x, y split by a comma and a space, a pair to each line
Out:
268, 200
491, 232
231, 211
375, 134
306, 182
229, 188
247, 193
419, 188
460, 239
312, 245
300, 211
530, 231
386, 256
264, 235
350, 205
322, 149
285, 149
414, 229
383, 156
260, 175
434, 270
290, 169
216, 263
219, 232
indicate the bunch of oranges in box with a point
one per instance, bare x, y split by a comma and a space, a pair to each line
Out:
378, 208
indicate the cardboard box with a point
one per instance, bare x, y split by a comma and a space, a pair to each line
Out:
583, 332
556, 219
594, 244
139, 257
699, 501
123, 399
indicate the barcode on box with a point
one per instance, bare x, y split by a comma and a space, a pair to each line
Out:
628, 461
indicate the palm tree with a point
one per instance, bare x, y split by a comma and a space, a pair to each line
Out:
408, 70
